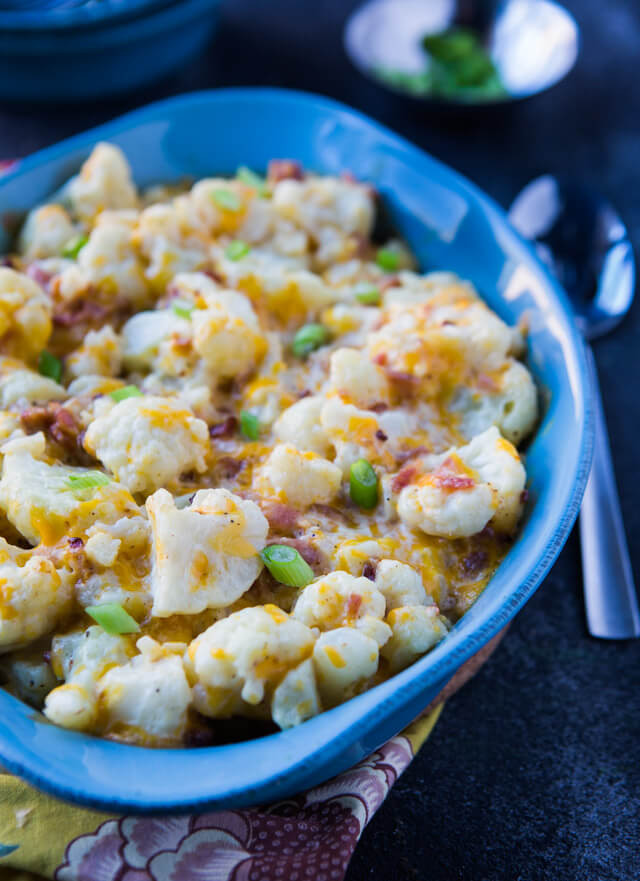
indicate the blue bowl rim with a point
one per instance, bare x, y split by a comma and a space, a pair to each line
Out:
73, 17
408, 683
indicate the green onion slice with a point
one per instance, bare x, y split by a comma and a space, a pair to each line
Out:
74, 246
387, 259
182, 309
49, 365
363, 484
227, 200
128, 391
249, 425
236, 250
309, 338
88, 480
113, 619
370, 297
251, 179
287, 565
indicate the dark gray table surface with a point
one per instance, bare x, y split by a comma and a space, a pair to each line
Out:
533, 771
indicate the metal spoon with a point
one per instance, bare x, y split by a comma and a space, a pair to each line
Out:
585, 242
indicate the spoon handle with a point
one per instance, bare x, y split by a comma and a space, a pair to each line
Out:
609, 591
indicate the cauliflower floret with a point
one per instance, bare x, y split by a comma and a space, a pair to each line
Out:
148, 441
214, 206
109, 262
340, 599
18, 383
300, 425
144, 333
226, 332
34, 595
162, 243
205, 555
149, 695
240, 660
301, 479
99, 355
354, 377
466, 488
353, 433
509, 400
317, 202
104, 182
43, 503
46, 231
400, 585
343, 659
25, 315
416, 629
81, 659
296, 698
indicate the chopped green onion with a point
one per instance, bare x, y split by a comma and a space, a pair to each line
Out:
249, 425
88, 480
49, 365
370, 297
387, 259
182, 309
236, 250
287, 565
309, 338
74, 246
251, 179
113, 619
128, 391
363, 484
227, 200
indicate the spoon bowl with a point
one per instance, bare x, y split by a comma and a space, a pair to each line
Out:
533, 43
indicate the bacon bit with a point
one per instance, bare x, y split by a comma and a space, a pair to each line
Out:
406, 455
53, 418
388, 281
369, 570
524, 496
486, 383
309, 553
284, 169
39, 275
401, 377
353, 604
213, 275
7, 261
381, 435
305, 393
474, 563
447, 478
223, 429
362, 245
380, 359
380, 407
403, 478
79, 312
448, 323
75, 543
282, 518
46, 656
348, 176
229, 467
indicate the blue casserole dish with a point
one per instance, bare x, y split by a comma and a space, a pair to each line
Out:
449, 224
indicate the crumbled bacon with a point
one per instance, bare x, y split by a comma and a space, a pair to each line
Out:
307, 551
75, 543
353, 604
486, 383
379, 407
39, 275
474, 563
80, 311
381, 435
225, 428
403, 478
282, 518
447, 477
229, 467
380, 359
388, 281
283, 169
58, 422
369, 570
405, 455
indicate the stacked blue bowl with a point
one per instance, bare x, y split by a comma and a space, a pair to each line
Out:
73, 50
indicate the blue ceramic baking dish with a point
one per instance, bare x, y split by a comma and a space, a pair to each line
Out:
449, 224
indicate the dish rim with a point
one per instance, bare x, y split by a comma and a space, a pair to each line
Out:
407, 685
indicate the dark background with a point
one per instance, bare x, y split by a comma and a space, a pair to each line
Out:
533, 771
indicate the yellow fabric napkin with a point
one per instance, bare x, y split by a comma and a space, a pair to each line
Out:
311, 836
